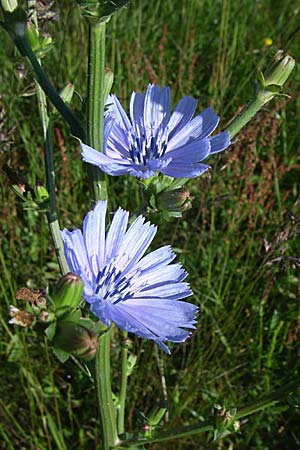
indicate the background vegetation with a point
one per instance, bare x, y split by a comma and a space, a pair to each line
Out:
247, 339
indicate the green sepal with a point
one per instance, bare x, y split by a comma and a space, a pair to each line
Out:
67, 92
40, 45
66, 313
50, 331
157, 414
60, 354
131, 363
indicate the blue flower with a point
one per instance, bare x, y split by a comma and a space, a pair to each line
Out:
141, 294
153, 141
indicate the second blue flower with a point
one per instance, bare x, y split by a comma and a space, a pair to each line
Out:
154, 140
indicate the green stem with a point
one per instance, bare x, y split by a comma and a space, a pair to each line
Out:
96, 105
207, 425
249, 111
24, 48
50, 182
104, 394
49, 168
123, 389
264, 402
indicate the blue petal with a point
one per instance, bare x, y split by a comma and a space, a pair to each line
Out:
156, 108
116, 233
188, 170
193, 128
182, 114
158, 258
192, 152
118, 112
219, 142
183, 313
134, 243
171, 291
77, 259
106, 163
158, 276
94, 235
162, 328
137, 102
210, 122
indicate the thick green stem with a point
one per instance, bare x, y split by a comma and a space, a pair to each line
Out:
104, 394
249, 111
123, 389
96, 105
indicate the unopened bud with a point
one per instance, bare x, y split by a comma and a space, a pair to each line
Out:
66, 92
279, 70
68, 291
9, 5
157, 414
76, 339
100, 10
177, 200
41, 193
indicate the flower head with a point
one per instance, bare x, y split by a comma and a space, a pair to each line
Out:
155, 140
141, 294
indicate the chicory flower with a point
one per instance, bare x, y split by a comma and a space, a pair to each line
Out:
154, 140
140, 294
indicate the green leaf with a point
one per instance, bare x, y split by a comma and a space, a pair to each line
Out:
50, 331
60, 354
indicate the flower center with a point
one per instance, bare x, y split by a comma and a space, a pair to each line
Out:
111, 285
146, 145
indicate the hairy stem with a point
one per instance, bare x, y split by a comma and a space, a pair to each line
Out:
96, 106
104, 394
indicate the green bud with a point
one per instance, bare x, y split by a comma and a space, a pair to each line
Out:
278, 71
76, 339
41, 193
100, 10
9, 5
68, 291
66, 92
157, 414
177, 200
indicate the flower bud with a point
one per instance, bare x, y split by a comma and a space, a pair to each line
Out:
177, 200
66, 92
9, 5
100, 10
41, 193
76, 339
279, 70
68, 291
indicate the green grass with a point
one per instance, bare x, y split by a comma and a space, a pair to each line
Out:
247, 339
